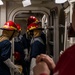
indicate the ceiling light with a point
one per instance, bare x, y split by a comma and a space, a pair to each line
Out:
60, 1
26, 3
1, 2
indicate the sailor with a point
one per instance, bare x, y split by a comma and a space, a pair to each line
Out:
9, 31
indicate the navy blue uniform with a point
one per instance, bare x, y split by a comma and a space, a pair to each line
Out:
37, 47
5, 51
20, 45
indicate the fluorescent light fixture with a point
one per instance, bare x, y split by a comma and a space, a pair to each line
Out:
60, 1
26, 3
1, 2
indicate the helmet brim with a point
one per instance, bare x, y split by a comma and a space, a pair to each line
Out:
7, 29
39, 22
37, 29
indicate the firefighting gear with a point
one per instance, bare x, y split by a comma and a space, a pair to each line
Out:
19, 30
34, 26
2, 38
20, 45
37, 44
9, 25
18, 27
26, 51
20, 68
5, 52
37, 47
33, 63
8, 34
26, 54
9, 30
37, 39
32, 19
11, 65
37, 33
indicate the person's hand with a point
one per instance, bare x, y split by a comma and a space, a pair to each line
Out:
10, 64
47, 59
41, 68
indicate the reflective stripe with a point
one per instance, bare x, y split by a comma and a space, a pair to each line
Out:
37, 39
10, 27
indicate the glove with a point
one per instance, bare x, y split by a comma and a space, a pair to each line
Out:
16, 69
26, 57
26, 51
19, 67
26, 54
10, 64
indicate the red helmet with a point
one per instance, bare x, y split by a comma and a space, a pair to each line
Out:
18, 27
32, 19
10, 25
34, 26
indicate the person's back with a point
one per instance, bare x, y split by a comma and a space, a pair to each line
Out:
21, 43
4, 54
20, 46
9, 31
37, 47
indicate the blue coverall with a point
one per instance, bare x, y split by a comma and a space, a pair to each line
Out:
37, 47
5, 51
20, 45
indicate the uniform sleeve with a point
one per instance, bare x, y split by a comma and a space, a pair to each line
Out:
6, 51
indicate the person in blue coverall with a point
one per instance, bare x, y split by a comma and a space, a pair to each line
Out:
21, 48
9, 31
37, 44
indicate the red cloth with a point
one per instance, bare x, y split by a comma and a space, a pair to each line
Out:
17, 56
66, 63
